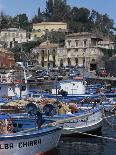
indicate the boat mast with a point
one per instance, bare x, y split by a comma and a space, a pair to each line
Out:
84, 64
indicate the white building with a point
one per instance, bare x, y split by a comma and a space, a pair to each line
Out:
83, 49
13, 36
80, 49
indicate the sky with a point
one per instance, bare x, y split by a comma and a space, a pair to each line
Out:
14, 7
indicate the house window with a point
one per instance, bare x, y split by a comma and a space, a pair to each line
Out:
69, 42
77, 43
10, 44
85, 43
76, 61
61, 62
69, 61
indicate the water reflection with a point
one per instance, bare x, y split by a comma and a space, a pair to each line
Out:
80, 146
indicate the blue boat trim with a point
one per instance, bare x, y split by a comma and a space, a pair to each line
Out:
29, 135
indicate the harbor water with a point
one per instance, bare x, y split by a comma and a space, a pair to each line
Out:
89, 145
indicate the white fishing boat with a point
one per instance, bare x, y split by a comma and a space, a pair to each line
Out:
87, 121
69, 89
13, 90
90, 122
10, 87
33, 141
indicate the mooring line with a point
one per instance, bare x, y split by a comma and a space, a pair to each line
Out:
109, 116
110, 123
88, 134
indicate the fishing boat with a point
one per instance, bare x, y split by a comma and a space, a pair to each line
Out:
79, 122
74, 89
75, 118
67, 89
10, 88
33, 141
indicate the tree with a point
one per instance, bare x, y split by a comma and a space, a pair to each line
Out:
21, 21
56, 37
56, 10
26, 49
38, 18
3, 21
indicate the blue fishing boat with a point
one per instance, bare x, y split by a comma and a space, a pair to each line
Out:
74, 90
32, 141
82, 121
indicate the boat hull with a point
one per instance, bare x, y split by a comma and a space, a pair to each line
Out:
81, 130
88, 124
30, 144
90, 121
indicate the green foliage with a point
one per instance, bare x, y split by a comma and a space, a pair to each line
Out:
108, 53
22, 52
56, 10
78, 19
56, 37
19, 21
3, 21
38, 18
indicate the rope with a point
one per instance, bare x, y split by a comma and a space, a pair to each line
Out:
87, 134
108, 116
110, 123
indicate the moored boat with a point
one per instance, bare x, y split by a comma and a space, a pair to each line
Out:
86, 121
32, 141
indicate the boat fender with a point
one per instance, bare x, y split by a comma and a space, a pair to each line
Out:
50, 110
31, 109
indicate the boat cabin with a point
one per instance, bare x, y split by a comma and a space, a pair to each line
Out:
11, 90
72, 87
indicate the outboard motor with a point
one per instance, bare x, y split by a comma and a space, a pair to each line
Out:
50, 110
32, 110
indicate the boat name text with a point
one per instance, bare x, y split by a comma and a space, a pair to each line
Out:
21, 144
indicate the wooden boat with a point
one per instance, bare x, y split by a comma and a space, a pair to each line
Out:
81, 121
32, 141
75, 89
76, 123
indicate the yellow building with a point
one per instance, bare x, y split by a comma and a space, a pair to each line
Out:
39, 29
